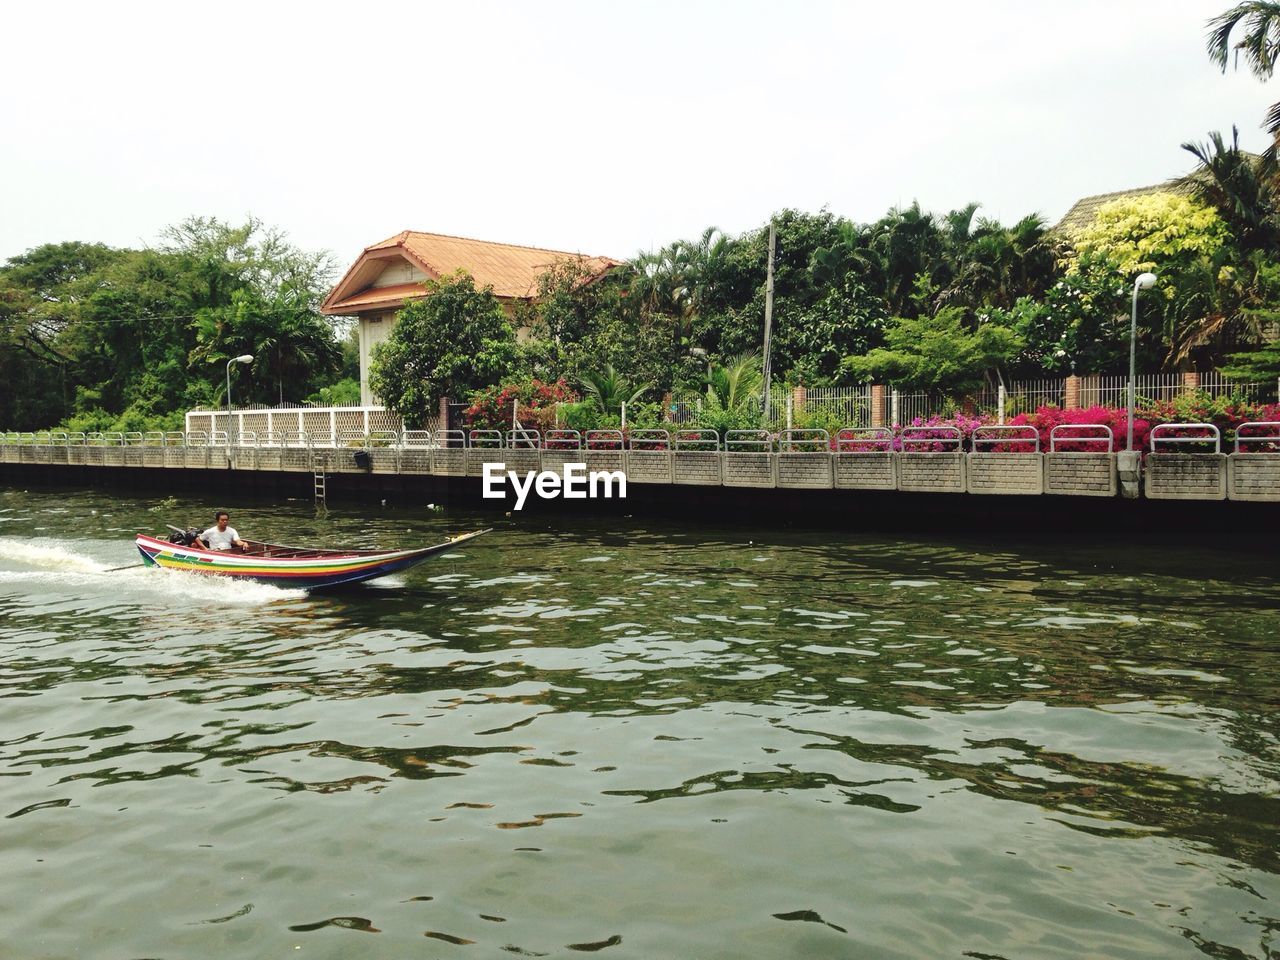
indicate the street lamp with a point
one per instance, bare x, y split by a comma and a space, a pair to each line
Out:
1145, 281
243, 358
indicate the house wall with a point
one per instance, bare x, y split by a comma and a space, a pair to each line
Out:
374, 328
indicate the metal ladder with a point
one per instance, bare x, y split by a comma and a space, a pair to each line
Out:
319, 475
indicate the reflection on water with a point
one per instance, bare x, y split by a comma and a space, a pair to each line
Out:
643, 740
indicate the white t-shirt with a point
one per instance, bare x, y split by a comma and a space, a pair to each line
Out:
220, 539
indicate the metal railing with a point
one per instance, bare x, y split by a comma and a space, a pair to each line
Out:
562, 440
1161, 434
1253, 436
864, 440
914, 438
606, 439
650, 440
696, 440
993, 436
804, 440
746, 441
1271, 439
1059, 434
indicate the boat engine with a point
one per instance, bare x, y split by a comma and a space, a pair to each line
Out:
185, 537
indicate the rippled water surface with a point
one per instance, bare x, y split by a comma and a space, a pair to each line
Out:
632, 738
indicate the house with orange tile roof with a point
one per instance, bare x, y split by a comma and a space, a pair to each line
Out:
389, 274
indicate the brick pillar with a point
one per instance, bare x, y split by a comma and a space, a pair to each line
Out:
798, 397
1190, 381
444, 414
1073, 392
877, 405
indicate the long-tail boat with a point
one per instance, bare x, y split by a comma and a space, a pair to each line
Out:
307, 568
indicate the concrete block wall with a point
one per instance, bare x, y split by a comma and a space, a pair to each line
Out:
519, 460
1080, 474
269, 458
384, 460
1185, 476
649, 466
420, 460
448, 461
698, 467
866, 471
597, 460
808, 470
931, 472
556, 459
1008, 473
1253, 476
746, 469
296, 459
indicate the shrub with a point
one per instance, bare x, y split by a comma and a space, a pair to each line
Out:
492, 407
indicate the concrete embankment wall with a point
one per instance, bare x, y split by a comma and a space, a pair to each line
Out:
764, 503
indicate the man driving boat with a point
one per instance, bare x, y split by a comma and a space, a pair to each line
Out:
221, 536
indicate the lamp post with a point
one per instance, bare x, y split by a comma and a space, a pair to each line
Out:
243, 358
1144, 281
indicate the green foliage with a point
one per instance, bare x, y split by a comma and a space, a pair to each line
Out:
534, 401
344, 393
716, 415
140, 332
1159, 232
1239, 188
738, 382
818, 417
937, 352
1262, 364
1082, 322
609, 390
1260, 45
450, 343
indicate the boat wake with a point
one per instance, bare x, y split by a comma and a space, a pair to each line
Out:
48, 555
60, 566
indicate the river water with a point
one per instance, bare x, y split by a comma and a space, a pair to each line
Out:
634, 738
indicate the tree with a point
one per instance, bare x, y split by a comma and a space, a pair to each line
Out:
1201, 306
1232, 182
451, 342
610, 390
736, 382
1261, 47
937, 352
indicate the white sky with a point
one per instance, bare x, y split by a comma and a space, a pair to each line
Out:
605, 128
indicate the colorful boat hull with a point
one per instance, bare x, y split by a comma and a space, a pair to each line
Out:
317, 570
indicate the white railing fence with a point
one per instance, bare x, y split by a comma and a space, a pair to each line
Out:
313, 421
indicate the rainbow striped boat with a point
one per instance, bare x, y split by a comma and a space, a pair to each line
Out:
307, 568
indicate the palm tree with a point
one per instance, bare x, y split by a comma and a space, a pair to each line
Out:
736, 382
1261, 47
297, 344
611, 390
1231, 181
678, 281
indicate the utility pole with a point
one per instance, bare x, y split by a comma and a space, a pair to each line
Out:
768, 316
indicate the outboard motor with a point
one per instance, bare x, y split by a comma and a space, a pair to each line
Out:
184, 538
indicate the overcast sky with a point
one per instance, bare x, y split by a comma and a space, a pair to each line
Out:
593, 127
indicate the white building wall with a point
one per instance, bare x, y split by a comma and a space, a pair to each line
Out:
373, 330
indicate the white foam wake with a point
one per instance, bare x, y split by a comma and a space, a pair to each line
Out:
57, 564
47, 555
